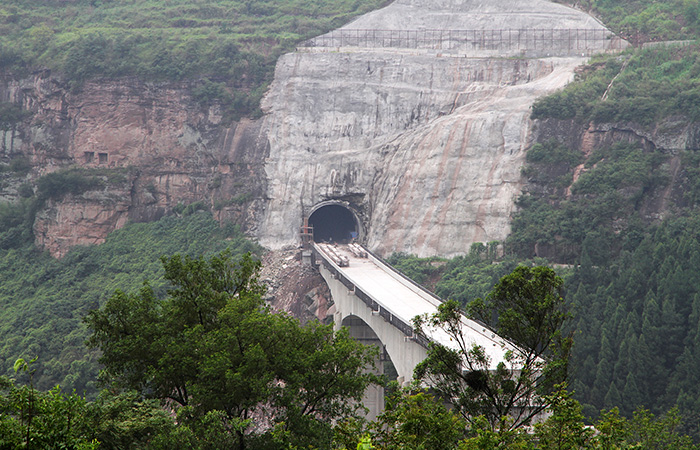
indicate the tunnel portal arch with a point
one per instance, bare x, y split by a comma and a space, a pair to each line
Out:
334, 221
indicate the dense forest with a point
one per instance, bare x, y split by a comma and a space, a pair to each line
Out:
45, 299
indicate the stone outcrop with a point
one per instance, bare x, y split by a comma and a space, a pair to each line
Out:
161, 147
426, 146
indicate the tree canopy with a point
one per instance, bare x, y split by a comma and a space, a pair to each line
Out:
525, 307
216, 351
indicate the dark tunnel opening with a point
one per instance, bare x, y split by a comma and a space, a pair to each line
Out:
333, 223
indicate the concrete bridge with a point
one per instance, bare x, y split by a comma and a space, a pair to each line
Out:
377, 304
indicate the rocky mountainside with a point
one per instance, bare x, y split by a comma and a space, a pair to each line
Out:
424, 144
157, 146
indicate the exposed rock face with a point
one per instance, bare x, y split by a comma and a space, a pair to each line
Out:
165, 148
475, 15
425, 146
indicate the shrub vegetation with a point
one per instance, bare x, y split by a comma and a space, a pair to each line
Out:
43, 299
231, 41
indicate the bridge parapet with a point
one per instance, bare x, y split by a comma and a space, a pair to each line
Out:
385, 293
376, 307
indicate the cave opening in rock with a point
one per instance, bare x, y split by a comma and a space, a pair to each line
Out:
333, 223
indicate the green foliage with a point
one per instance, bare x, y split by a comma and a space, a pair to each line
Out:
552, 152
639, 321
653, 84
43, 299
235, 42
413, 419
19, 165
214, 347
622, 167
26, 190
526, 307
633, 288
56, 185
564, 429
463, 278
187, 210
467, 278
648, 20
10, 113
16, 221
209, 92
577, 100
599, 211
420, 270
485, 437
53, 419
41, 420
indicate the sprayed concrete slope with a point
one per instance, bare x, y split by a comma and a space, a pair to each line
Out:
425, 146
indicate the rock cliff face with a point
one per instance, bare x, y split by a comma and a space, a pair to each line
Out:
160, 146
424, 144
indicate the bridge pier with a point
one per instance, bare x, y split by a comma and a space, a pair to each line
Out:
366, 324
373, 399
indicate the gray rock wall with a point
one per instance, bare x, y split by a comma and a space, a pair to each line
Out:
426, 146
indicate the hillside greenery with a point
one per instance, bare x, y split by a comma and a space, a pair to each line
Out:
229, 46
647, 20
625, 220
631, 277
43, 300
642, 87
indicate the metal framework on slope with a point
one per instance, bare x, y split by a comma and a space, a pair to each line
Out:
573, 41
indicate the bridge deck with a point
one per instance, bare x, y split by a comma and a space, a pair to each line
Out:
406, 300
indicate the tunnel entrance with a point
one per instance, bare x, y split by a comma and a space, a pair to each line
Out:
333, 223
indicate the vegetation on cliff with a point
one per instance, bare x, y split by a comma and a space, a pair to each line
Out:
643, 87
43, 299
646, 20
230, 45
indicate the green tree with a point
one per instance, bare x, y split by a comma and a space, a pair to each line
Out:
564, 428
485, 437
413, 419
215, 349
525, 307
32, 419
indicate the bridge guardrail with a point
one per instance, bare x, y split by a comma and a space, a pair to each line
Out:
424, 291
384, 312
